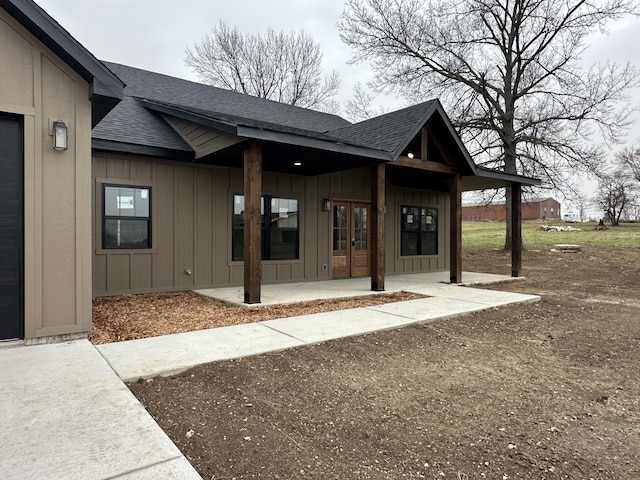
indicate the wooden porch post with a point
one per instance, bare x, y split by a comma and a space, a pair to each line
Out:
377, 226
516, 229
252, 222
456, 230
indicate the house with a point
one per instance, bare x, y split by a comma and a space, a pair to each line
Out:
166, 184
45, 219
545, 209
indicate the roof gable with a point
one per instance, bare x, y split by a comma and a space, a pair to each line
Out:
390, 132
106, 88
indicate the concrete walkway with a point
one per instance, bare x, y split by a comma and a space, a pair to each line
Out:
173, 354
68, 415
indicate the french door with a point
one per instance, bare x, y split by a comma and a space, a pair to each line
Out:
350, 239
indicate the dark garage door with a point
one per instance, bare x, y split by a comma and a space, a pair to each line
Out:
11, 225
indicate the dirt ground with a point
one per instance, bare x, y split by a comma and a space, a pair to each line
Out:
538, 391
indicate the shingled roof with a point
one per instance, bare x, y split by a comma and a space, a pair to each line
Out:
137, 119
137, 124
388, 132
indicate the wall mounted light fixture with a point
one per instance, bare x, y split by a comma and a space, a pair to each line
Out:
326, 204
410, 154
60, 135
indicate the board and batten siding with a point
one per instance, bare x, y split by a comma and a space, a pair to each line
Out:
396, 198
191, 225
38, 87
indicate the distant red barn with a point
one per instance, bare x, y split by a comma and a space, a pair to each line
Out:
546, 209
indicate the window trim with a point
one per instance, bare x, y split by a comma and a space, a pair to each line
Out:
265, 232
98, 217
437, 232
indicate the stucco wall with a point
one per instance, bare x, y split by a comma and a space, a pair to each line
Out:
37, 85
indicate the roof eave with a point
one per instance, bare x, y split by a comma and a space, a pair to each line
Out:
263, 134
189, 116
98, 144
310, 142
486, 178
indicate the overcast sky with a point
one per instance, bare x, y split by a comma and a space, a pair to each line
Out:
153, 34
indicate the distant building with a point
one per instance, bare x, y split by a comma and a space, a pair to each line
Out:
545, 209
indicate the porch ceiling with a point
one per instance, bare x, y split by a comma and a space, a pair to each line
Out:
277, 157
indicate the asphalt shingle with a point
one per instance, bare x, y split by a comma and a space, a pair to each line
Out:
132, 122
386, 132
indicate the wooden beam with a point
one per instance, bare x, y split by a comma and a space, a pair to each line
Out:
424, 144
443, 152
420, 164
378, 201
516, 229
252, 222
455, 246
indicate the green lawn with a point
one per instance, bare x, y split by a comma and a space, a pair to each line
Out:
482, 236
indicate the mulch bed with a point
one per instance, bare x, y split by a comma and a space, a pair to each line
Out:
129, 317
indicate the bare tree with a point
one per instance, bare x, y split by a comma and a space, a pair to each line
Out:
615, 194
286, 67
361, 106
619, 187
508, 73
629, 158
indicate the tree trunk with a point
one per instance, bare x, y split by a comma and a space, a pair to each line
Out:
509, 151
509, 167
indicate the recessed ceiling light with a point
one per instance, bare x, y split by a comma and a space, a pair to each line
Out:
297, 164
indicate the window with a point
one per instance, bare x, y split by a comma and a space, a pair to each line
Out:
418, 231
127, 217
280, 228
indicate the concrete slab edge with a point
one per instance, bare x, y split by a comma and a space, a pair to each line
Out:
175, 370
176, 467
167, 372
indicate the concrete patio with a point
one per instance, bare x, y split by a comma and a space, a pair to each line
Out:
286, 293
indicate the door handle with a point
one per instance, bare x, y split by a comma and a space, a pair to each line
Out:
353, 242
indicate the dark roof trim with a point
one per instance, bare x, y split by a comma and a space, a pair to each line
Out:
189, 116
486, 178
264, 134
106, 88
310, 142
134, 149
508, 177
